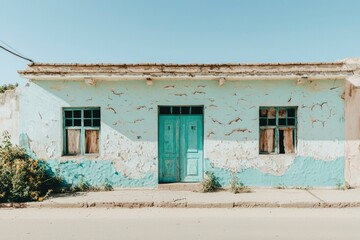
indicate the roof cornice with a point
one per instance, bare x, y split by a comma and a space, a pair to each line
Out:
157, 71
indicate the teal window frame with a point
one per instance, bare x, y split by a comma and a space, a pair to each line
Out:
277, 126
181, 110
82, 129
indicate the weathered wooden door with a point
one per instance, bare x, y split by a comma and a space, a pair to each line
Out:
169, 148
191, 148
181, 146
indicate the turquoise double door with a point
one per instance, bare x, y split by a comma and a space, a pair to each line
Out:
180, 148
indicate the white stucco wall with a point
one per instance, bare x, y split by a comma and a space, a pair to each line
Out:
129, 131
9, 114
352, 135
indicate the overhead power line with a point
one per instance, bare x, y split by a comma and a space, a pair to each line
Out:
18, 55
7, 45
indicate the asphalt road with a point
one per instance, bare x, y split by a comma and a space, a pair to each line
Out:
171, 224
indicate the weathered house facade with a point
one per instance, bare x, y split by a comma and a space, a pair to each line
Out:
138, 125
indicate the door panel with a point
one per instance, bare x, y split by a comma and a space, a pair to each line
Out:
191, 148
169, 148
192, 135
170, 139
192, 166
170, 169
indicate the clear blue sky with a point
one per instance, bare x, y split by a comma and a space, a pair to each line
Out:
177, 31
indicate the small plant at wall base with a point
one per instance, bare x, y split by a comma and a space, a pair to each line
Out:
21, 177
280, 186
238, 187
82, 186
210, 183
107, 185
340, 185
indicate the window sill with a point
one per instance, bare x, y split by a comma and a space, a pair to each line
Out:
78, 157
277, 156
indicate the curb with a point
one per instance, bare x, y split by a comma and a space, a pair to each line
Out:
181, 205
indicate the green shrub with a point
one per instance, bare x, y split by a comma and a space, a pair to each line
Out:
25, 179
210, 183
21, 177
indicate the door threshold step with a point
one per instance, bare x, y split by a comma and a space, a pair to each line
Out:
180, 186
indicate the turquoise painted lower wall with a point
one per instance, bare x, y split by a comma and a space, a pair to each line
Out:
97, 173
304, 172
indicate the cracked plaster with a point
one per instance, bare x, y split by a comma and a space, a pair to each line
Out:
128, 135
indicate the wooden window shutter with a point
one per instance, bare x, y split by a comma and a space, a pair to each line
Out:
73, 141
91, 141
267, 140
288, 140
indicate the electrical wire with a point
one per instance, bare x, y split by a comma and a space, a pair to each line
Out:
18, 55
12, 48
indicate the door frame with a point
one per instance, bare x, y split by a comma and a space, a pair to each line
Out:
202, 136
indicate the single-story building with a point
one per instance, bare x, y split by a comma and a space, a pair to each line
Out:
138, 125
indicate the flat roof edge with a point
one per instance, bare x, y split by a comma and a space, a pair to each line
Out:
241, 70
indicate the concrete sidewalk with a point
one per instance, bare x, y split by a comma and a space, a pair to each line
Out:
136, 198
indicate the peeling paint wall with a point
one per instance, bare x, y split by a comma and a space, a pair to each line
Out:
129, 135
352, 135
9, 114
